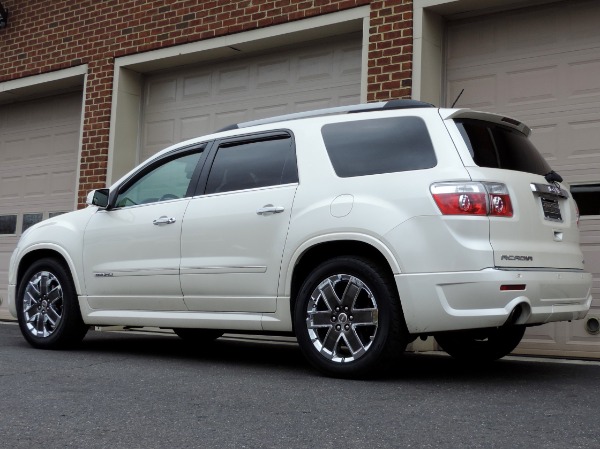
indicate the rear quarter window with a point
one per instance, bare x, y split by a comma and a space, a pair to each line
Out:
496, 146
376, 146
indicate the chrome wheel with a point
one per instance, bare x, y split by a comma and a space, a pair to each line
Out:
43, 304
48, 307
342, 318
348, 319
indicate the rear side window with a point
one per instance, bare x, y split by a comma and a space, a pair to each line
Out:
370, 147
495, 146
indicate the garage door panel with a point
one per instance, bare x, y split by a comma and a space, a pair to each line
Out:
536, 27
314, 67
35, 185
582, 19
541, 65
523, 33
350, 62
160, 92
11, 150
584, 78
190, 126
564, 338
570, 141
590, 245
347, 100
197, 86
64, 142
273, 74
470, 41
479, 91
233, 81
226, 118
547, 139
582, 139
270, 110
578, 339
546, 335
199, 100
534, 86
160, 132
9, 187
61, 183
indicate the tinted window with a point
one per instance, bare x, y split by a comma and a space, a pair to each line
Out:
165, 182
369, 147
249, 165
496, 146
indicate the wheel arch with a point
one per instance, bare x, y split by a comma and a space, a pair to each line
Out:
318, 250
38, 252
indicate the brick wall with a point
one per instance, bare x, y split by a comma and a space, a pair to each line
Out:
47, 35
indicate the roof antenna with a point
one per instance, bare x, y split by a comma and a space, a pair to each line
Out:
455, 101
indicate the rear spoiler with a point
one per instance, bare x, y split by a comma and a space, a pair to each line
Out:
451, 114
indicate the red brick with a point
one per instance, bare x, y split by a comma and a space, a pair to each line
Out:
97, 32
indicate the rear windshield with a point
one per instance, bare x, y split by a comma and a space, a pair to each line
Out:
496, 146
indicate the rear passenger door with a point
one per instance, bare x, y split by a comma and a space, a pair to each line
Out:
235, 229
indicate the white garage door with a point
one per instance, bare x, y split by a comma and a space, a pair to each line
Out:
542, 66
188, 103
38, 161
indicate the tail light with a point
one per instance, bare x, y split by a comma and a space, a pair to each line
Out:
472, 198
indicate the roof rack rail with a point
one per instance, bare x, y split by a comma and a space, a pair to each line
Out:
365, 107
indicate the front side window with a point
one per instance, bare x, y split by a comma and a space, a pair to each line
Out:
376, 146
254, 164
168, 181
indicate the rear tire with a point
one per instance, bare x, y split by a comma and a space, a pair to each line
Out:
481, 345
348, 319
48, 307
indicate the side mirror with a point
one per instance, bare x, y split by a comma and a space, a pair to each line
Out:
98, 198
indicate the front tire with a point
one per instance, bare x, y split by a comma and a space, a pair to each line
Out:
47, 306
348, 319
481, 345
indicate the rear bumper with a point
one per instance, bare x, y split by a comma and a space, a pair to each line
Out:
436, 302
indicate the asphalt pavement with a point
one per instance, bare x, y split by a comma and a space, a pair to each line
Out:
131, 390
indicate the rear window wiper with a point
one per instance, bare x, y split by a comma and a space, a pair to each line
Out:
553, 177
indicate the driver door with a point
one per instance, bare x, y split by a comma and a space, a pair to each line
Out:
132, 250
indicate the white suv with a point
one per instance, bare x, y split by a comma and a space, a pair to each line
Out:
357, 229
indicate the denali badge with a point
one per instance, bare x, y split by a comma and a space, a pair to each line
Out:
522, 258
103, 275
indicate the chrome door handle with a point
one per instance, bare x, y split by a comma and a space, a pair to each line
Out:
164, 220
269, 209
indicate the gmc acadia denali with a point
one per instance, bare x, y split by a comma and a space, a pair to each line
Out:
357, 229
